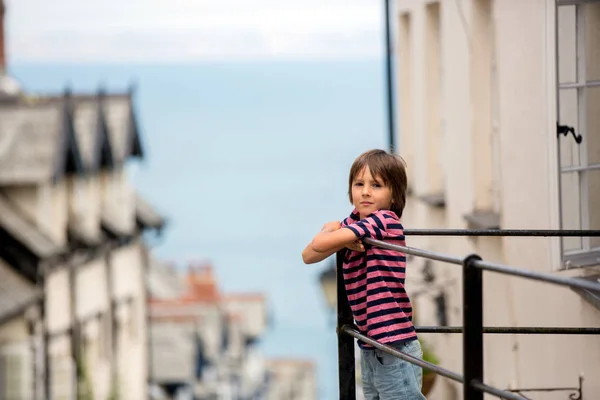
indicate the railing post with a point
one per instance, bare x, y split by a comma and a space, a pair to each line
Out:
346, 367
473, 327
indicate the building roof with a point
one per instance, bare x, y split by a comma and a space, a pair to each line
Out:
118, 113
202, 284
78, 234
23, 230
38, 132
37, 143
122, 126
15, 293
113, 224
146, 215
91, 133
259, 297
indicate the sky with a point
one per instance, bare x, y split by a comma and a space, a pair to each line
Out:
192, 30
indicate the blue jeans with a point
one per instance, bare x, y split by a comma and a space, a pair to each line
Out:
386, 377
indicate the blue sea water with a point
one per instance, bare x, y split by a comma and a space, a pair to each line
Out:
247, 161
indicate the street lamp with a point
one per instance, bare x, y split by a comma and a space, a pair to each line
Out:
328, 281
389, 79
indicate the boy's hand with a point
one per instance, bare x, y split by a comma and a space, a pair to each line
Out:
331, 226
356, 246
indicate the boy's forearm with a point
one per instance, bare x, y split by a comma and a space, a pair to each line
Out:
333, 241
310, 256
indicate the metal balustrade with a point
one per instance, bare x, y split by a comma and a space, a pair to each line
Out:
472, 329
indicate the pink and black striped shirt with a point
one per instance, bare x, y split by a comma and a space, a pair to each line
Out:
374, 280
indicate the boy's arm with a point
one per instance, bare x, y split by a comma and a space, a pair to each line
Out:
309, 256
333, 241
330, 240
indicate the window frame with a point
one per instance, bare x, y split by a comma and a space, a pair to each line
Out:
18, 381
585, 255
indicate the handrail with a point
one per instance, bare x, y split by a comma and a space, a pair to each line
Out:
499, 268
503, 232
509, 330
472, 329
427, 365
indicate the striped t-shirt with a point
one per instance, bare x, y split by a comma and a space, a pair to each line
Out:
374, 280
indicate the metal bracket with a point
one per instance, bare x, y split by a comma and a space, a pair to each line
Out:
565, 130
576, 392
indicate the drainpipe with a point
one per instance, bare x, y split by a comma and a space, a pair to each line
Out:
390, 92
38, 345
145, 286
41, 332
112, 309
2, 39
75, 329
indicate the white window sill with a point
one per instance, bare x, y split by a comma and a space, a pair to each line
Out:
437, 200
482, 220
589, 259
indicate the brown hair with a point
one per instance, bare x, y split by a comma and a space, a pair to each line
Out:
390, 168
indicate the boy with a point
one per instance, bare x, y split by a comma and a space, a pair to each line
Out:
374, 277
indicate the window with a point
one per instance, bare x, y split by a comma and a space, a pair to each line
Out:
484, 118
405, 61
578, 51
484, 105
15, 372
62, 377
432, 102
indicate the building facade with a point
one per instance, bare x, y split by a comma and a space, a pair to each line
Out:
71, 233
73, 319
291, 379
486, 93
205, 343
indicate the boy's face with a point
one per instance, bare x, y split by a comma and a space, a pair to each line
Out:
370, 194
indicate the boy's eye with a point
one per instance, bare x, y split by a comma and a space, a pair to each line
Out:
376, 185
357, 184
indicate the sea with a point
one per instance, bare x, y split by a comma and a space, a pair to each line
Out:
247, 160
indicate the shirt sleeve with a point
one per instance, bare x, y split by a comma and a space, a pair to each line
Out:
372, 226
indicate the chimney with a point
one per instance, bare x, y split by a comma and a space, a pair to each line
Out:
2, 39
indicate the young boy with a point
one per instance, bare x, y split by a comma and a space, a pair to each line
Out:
374, 277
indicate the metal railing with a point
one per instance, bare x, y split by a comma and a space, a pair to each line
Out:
472, 329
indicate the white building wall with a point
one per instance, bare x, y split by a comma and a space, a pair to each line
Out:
498, 122
92, 307
58, 300
291, 380
58, 321
127, 265
85, 202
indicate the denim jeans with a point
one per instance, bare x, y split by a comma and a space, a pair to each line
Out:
386, 377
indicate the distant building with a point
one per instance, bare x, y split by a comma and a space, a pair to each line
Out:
291, 379
73, 310
204, 342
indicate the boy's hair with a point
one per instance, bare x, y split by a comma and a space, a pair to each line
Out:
388, 167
